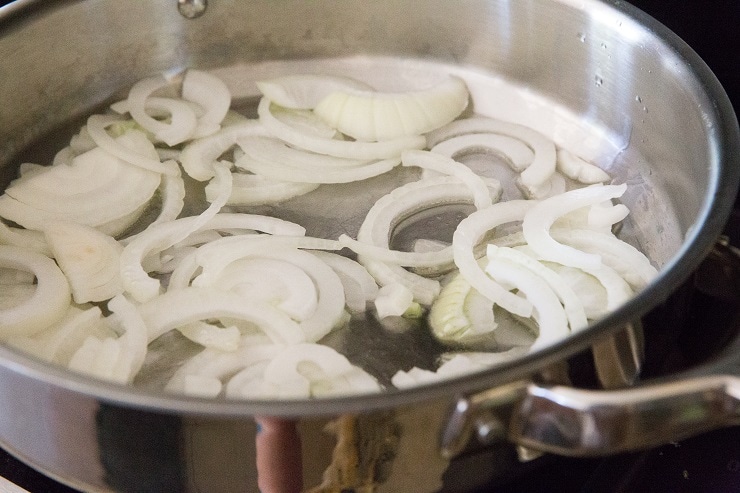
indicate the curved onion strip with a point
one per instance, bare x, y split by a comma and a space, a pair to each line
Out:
306, 122
305, 91
88, 258
49, 302
393, 300
134, 340
403, 202
515, 152
545, 156
330, 307
396, 257
577, 169
272, 280
604, 215
448, 316
248, 189
211, 363
270, 149
96, 127
359, 285
448, 166
98, 188
212, 336
549, 313
279, 171
172, 192
198, 156
537, 223
133, 276
470, 232
58, 342
348, 149
162, 235
24, 238
372, 116
554, 185
183, 119
177, 308
627, 260
571, 303
213, 257
212, 94
284, 369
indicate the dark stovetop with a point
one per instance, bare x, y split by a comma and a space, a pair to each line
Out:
709, 463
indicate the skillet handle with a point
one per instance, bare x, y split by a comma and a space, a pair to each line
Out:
582, 423
575, 422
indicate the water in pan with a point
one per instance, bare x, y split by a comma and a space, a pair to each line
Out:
336, 209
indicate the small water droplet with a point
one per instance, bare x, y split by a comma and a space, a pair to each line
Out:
598, 80
581, 37
638, 99
644, 108
191, 9
603, 46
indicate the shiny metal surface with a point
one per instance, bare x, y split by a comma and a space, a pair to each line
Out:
599, 77
575, 422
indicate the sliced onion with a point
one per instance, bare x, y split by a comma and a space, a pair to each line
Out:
164, 235
448, 166
572, 305
49, 302
449, 318
348, 149
89, 259
305, 91
24, 238
393, 300
183, 119
172, 193
379, 116
534, 175
539, 219
470, 232
359, 285
270, 149
212, 336
133, 342
280, 171
249, 189
627, 260
577, 169
97, 188
175, 309
549, 313
515, 152
212, 94
198, 156
130, 147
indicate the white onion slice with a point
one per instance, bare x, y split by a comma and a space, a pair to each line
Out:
199, 155
577, 169
379, 116
96, 189
249, 189
283, 172
89, 259
172, 193
183, 119
549, 313
393, 300
449, 317
545, 155
470, 232
212, 336
305, 91
359, 285
515, 152
572, 305
132, 151
49, 302
448, 166
270, 149
537, 223
133, 342
164, 235
348, 149
24, 238
174, 309
212, 94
